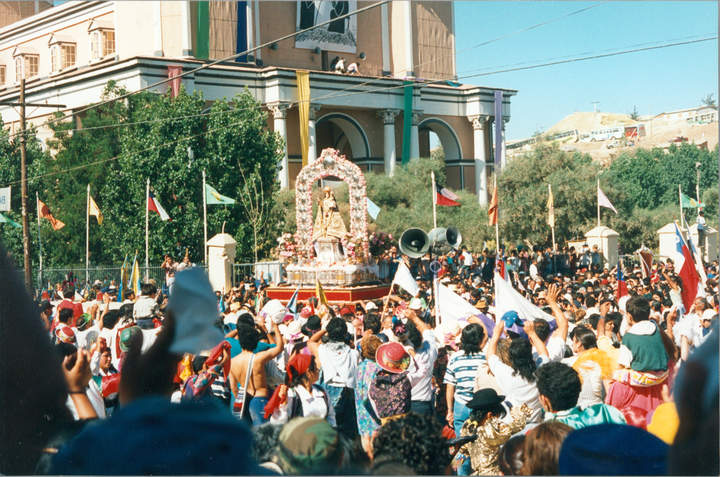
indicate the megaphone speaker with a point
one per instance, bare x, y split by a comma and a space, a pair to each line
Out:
454, 239
414, 243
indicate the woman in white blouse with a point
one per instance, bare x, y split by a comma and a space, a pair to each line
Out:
300, 397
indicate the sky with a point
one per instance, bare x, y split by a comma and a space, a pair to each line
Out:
652, 81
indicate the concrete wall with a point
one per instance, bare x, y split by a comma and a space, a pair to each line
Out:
434, 40
10, 12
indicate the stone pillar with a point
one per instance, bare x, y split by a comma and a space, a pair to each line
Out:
504, 149
312, 140
388, 117
221, 256
279, 111
479, 123
414, 135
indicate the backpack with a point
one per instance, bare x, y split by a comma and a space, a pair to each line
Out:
390, 393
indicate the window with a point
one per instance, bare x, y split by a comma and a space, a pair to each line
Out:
26, 66
102, 43
2, 76
62, 55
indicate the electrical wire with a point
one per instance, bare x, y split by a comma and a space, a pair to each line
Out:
222, 60
521, 68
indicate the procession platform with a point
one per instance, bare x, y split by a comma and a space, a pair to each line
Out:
334, 295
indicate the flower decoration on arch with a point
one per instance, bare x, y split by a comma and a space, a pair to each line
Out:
331, 163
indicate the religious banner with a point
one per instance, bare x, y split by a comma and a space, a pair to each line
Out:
338, 35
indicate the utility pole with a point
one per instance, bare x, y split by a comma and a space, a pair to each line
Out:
23, 176
697, 182
23, 190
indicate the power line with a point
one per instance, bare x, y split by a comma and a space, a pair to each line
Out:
427, 83
222, 60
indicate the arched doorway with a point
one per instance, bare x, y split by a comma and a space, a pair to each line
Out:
438, 139
343, 133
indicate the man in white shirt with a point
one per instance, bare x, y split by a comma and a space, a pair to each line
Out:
424, 353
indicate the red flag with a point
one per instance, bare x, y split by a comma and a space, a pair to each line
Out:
44, 213
622, 288
155, 206
493, 209
446, 198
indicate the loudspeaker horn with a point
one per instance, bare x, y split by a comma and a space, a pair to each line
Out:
414, 243
441, 239
453, 236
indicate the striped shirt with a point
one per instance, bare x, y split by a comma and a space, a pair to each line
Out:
461, 371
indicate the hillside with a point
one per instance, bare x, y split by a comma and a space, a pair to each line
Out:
660, 131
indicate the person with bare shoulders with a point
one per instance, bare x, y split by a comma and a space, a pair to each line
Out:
248, 379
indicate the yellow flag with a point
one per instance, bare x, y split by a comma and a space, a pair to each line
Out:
93, 209
303, 92
551, 208
320, 293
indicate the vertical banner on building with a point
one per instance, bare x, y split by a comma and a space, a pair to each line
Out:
498, 130
303, 92
202, 30
5, 199
242, 43
407, 122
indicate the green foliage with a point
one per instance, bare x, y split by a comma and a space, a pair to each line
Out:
523, 195
152, 141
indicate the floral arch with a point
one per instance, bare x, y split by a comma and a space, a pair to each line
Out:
330, 163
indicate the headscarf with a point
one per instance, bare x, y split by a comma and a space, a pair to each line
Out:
297, 366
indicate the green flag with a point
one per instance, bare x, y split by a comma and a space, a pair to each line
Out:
689, 203
213, 197
7, 220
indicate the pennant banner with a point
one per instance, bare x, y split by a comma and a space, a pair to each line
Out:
685, 202
93, 209
213, 197
44, 212
551, 208
604, 201
303, 92
493, 208
407, 121
373, 209
155, 206
453, 308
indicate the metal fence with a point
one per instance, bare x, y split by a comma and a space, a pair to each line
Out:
103, 273
273, 272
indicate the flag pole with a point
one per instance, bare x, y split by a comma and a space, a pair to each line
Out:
680, 203
147, 228
434, 199
204, 194
552, 227
40, 257
87, 235
597, 194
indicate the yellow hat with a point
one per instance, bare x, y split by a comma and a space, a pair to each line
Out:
664, 423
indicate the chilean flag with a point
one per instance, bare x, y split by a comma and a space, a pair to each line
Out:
685, 266
155, 206
622, 288
445, 197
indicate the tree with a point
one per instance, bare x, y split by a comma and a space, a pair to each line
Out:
634, 115
256, 204
709, 100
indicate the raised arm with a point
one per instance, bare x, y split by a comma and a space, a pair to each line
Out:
497, 331
314, 343
277, 340
562, 322
535, 339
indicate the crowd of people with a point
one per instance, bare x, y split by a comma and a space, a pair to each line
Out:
186, 379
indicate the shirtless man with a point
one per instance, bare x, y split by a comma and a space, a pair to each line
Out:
258, 393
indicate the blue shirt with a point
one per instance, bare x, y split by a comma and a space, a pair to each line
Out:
236, 349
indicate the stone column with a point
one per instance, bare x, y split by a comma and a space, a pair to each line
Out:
157, 30
414, 135
279, 112
186, 29
312, 140
504, 150
388, 117
479, 123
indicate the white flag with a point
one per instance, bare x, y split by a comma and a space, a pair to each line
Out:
604, 201
372, 208
453, 308
509, 299
405, 280
5, 199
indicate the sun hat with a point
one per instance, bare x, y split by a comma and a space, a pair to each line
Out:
485, 398
392, 357
293, 331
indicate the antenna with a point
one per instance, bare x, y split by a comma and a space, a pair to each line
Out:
595, 106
